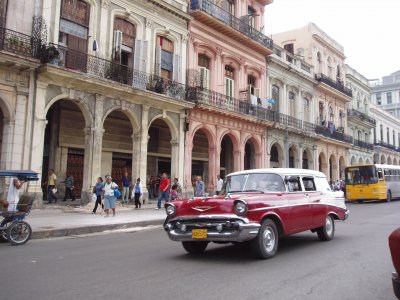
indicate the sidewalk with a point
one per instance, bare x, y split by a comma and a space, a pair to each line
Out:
64, 219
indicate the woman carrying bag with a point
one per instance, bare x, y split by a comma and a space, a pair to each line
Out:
110, 194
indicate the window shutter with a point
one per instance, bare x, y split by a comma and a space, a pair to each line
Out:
204, 78
177, 68
157, 65
137, 61
117, 44
143, 64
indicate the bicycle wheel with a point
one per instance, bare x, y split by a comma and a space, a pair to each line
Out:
19, 232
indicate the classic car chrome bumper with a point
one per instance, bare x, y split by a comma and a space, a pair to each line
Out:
219, 228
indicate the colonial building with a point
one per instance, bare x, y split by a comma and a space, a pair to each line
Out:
226, 80
108, 95
360, 122
386, 93
291, 84
386, 136
331, 96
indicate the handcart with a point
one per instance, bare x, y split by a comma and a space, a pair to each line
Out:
13, 228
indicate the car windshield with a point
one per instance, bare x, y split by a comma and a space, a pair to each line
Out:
258, 182
361, 175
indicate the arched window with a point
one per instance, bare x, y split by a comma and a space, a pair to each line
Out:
329, 65
276, 97
359, 135
124, 41
319, 62
229, 81
164, 57
331, 115
306, 110
338, 74
204, 68
74, 25
252, 86
292, 104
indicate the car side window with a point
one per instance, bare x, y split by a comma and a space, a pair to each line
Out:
294, 185
309, 184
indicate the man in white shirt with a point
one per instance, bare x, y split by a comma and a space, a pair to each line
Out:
220, 181
13, 194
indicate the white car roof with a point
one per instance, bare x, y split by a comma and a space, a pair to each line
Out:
281, 171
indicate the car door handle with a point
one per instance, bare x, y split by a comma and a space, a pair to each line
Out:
316, 201
306, 195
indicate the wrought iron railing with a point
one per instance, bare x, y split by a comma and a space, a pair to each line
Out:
363, 117
363, 144
328, 132
335, 84
19, 43
386, 145
241, 25
107, 69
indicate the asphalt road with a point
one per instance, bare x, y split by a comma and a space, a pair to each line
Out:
147, 265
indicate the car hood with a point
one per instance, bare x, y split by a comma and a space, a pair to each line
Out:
335, 198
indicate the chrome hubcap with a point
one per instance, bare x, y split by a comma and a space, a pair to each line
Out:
269, 239
328, 225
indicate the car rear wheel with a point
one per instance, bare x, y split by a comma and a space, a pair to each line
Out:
265, 245
327, 232
195, 247
389, 196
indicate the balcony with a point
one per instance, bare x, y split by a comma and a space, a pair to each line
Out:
353, 113
336, 135
106, 69
364, 145
334, 84
386, 145
19, 44
214, 16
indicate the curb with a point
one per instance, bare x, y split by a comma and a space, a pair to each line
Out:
60, 232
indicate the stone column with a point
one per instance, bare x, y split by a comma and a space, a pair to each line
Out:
144, 139
238, 160
19, 128
187, 181
300, 107
6, 147
284, 102
174, 158
104, 28
181, 155
286, 149
212, 172
136, 143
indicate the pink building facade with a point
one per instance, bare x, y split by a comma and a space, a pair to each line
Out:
226, 74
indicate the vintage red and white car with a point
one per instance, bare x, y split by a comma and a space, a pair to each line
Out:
256, 207
394, 245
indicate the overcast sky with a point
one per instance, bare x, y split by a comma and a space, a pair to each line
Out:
368, 30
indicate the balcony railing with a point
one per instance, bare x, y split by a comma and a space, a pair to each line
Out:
241, 25
19, 43
327, 132
336, 85
386, 145
363, 117
364, 145
107, 69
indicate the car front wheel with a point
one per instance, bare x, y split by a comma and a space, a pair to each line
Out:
195, 247
265, 244
326, 232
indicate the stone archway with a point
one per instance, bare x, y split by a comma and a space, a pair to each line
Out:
333, 168
383, 159
64, 145
322, 163
293, 157
276, 156
353, 160
367, 161
360, 161
307, 159
227, 158
389, 160
395, 161
252, 154
342, 166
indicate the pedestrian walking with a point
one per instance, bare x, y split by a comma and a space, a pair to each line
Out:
51, 187
220, 181
152, 187
165, 185
137, 193
199, 190
109, 195
69, 187
98, 190
126, 185
13, 194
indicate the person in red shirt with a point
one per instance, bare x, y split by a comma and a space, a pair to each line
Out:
164, 190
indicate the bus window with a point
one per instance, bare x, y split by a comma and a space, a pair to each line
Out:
380, 175
361, 175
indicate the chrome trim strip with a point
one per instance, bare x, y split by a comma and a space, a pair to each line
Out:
293, 205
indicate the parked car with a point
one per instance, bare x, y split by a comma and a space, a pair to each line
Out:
255, 208
394, 245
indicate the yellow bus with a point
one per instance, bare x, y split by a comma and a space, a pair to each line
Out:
372, 182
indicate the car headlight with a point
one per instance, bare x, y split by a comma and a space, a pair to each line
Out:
171, 210
240, 208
